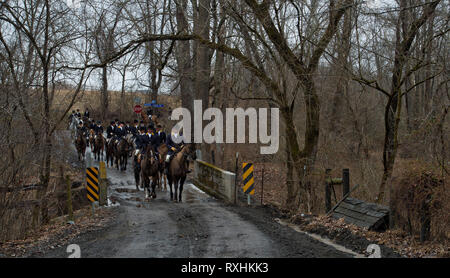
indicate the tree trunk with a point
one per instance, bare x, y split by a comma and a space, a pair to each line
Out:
122, 94
104, 94
183, 57
394, 105
343, 48
203, 65
292, 188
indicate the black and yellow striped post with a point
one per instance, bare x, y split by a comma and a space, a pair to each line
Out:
92, 184
249, 180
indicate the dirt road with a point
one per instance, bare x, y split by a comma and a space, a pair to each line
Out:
201, 226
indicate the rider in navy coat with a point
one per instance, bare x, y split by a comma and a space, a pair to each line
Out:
161, 134
98, 128
173, 148
92, 125
121, 131
82, 129
111, 130
153, 139
135, 128
142, 140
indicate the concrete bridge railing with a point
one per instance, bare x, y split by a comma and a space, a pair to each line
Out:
215, 181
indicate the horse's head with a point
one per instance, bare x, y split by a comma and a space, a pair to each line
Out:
79, 134
190, 150
80, 138
124, 145
99, 138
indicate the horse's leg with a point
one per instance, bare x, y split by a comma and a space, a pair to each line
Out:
169, 179
154, 182
164, 176
181, 187
146, 181
136, 175
160, 180
175, 185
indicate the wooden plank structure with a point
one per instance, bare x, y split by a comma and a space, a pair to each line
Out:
366, 215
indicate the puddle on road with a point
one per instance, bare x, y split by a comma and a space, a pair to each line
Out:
125, 190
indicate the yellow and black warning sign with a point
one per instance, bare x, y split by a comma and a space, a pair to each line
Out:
92, 183
249, 180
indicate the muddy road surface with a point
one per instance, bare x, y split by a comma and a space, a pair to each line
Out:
200, 226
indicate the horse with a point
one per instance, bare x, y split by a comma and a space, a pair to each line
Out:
80, 144
177, 170
91, 138
149, 168
136, 171
110, 150
136, 166
162, 150
121, 153
99, 146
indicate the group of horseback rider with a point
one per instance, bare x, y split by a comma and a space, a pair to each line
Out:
154, 137
90, 125
142, 135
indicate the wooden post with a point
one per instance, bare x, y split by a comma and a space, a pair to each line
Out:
102, 184
69, 200
262, 185
327, 190
236, 178
102, 193
345, 181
